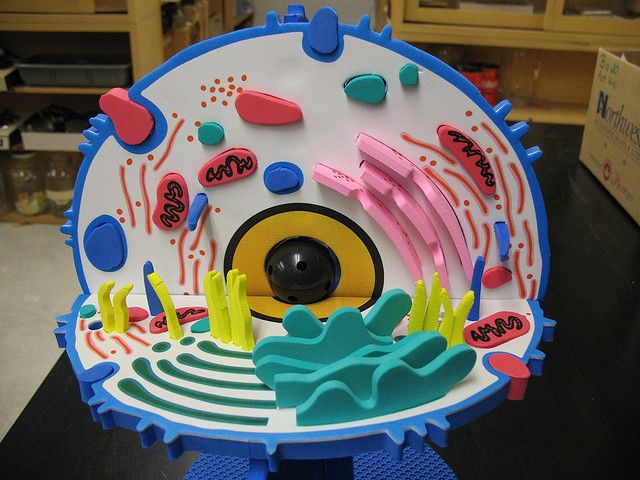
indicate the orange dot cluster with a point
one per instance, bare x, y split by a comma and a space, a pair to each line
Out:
222, 90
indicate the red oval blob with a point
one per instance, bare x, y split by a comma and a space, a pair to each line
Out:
470, 155
264, 109
172, 202
132, 121
229, 166
137, 314
496, 329
496, 276
158, 324
516, 369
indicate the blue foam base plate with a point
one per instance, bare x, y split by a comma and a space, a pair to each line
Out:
377, 465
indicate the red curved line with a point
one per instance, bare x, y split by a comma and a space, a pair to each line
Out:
516, 264
123, 344
534, 286
203, 219
181, 254
443, 184
527, 232
408, 138
167, 150
487, 129
196, 266
516, 174
99, 335
145, 198
507, 196
83, 324
127, 198
474, 230
470, 187
92, 346
140, 328
214, 251
487, 241
137, 339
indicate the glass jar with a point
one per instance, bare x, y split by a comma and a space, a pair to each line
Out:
59, 181
27, 181
520, 72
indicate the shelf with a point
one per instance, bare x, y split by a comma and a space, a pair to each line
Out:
551, 112
512, 37
35, 22
61, 90
47, 218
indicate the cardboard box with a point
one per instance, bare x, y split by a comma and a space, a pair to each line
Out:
349, 11
611, 141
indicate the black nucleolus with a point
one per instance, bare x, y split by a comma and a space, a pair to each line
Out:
302, 270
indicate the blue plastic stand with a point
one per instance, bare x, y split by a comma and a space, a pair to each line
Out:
377, 465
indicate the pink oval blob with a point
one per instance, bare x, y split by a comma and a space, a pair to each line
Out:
264, 109
158, 324
172, 202
497, 276
229, 166
496, 329
470, 155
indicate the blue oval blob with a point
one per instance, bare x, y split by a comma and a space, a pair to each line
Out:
105, 244
282, 178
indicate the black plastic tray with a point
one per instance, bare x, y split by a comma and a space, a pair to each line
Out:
75, 71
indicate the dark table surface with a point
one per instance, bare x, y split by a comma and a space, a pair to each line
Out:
581, 419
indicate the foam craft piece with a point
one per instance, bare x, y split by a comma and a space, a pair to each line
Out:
395, 385
470, 155
517, 371
137, 314
411, 210
87, 311
347, 186
231, 165
496, 276
159, 323
502, 236
283, 178
409, 75
172, 200
145, 134
155, 307
264, 109
132, 121
198, 205
104, 244
384, 157
210, 133
356, 369
367, 88
496, 329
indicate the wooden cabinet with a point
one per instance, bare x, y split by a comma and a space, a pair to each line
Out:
564, 41
141, 22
